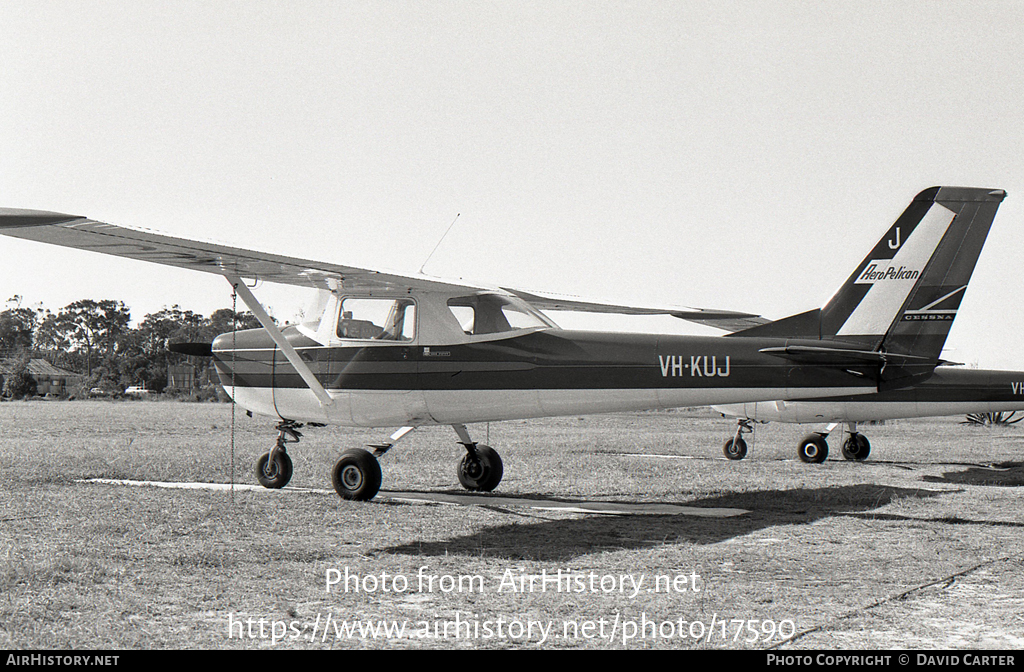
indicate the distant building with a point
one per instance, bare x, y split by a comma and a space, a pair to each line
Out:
186, 377
181, 377
49, 379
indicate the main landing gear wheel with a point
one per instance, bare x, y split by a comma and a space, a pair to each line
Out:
274, 473
813, 449
357, 475
735, 449
481, 468
856, 447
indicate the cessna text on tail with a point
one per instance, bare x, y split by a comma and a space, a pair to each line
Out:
389, 349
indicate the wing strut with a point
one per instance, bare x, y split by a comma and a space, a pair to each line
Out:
286, 347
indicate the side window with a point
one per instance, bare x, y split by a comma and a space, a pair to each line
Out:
519, 318
492, 314
466, 315
479, 314
378, 319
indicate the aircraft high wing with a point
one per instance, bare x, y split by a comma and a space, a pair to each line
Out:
390, 349
132, 243
726, 320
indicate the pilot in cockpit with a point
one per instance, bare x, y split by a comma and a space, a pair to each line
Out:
350, 328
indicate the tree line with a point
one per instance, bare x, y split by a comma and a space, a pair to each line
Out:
95, 339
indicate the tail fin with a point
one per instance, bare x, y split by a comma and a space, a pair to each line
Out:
904, 295
926, 316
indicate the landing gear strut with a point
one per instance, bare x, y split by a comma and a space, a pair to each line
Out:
274, 469
736, 448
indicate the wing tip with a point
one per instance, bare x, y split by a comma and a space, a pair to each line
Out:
12, 218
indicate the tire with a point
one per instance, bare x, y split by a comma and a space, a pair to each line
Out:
735, 449
813, 449
856, 448
356, 476
481, 472
276, 474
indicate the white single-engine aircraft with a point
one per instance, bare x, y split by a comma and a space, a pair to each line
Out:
388, 349
949, 391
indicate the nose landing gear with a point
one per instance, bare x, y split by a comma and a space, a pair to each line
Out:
736, 448
274, 469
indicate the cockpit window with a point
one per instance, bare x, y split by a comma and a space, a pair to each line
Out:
378, 319
492, 314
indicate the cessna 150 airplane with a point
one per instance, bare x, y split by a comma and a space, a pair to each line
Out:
947, 392
387, 349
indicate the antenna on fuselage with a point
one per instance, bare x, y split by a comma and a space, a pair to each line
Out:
439, 242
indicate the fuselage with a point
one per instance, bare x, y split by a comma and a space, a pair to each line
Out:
525, 373
949, 391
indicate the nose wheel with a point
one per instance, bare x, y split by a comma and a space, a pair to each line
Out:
274, 469
736, 448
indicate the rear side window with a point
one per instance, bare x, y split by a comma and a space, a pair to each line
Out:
492, 314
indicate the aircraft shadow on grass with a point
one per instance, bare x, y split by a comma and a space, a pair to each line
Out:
563, 540
1005, 474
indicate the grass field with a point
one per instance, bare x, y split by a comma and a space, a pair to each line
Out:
920, 547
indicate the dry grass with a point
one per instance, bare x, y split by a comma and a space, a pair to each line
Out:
920, 547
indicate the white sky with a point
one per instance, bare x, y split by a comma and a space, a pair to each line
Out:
736, 155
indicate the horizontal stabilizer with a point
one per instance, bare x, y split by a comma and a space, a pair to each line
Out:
843, 357
889, 369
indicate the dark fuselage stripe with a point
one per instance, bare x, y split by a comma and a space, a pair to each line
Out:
552, 359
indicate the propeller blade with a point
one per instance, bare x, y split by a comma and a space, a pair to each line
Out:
194, 349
